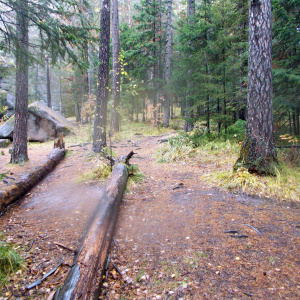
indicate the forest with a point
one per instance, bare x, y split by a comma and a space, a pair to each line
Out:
204, 93
162, 57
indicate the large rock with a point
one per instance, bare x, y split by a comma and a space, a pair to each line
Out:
10, 101
43, 124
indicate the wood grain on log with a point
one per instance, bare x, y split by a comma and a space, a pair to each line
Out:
19, 188
84, 278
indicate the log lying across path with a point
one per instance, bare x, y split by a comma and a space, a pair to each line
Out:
85, 276
19, 188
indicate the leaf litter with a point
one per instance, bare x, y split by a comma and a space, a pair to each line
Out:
178, 237
172, 240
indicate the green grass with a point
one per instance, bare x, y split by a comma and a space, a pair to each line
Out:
134, 176
135, 128
221, 153
284, 186
10, 260
177, 148
100, 172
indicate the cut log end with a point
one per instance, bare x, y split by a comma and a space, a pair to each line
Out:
60, 142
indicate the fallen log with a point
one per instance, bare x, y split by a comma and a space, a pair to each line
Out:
11, 193
85, 276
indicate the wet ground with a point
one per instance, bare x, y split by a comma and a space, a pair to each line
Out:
177, 237
49, 222
181, 238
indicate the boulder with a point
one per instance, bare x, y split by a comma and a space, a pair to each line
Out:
4, 143
10, 101
43, 124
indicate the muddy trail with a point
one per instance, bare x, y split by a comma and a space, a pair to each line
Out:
177, 237
49, 222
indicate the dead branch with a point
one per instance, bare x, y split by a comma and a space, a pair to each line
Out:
112, 160
123, 159
64, 247
117, 269
39, 281
253, 228
30, 246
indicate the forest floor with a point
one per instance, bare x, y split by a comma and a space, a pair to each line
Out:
177, 236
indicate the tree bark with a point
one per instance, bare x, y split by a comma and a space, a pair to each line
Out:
49, 100
166, 117
60, 95
19, 149
258, 153
297, 120
115, 114
99, 134
189, 123
91, 70
83, 279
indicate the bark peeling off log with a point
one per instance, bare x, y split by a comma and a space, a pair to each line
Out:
90, 261
13, 192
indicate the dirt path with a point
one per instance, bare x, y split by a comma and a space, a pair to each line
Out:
180, 238
177, 237
56, 212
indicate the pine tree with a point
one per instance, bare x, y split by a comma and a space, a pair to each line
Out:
99, 133
258, 153
115, 114
168, 58
19, 149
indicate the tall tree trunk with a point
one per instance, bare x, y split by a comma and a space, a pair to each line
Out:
99, 134
19, 149
294, 121
91, 70
218, 111
60, 95
77, 109
36, 84
84, 95
189, 123
115, 114
224, 94
49, 100
166, 118
258, 153
290, 122
297, 120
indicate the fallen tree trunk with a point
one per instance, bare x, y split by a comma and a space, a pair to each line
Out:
85, 276
19, 188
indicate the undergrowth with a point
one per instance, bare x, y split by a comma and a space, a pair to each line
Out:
101, 171
221, 152
176, 148
10, 260
137, 128
284, 186
134, 176
185, 145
